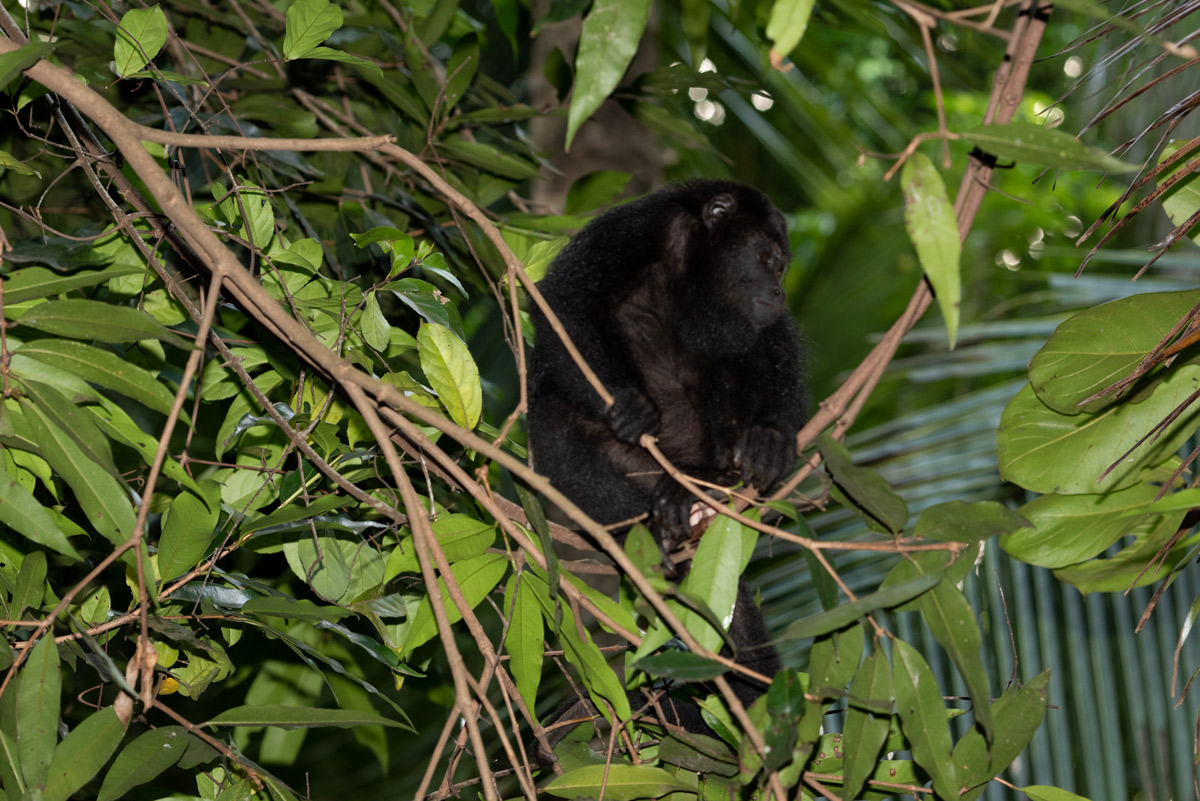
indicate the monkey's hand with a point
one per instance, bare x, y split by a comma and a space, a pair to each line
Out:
675, 512
631, 415
764, 455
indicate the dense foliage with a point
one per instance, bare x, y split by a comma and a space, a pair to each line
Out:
266, 518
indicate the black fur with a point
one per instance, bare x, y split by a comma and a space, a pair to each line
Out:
675, 302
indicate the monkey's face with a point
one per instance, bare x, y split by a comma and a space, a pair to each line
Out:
752, 266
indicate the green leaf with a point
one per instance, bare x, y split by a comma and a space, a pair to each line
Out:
11, 163
601, 682
1136, 565
167, 75
32, 283
460, 71
476, 577
616, 782
22, 513
588, 193
12, 64
488, 157
103, 499
959, 521
713, 579
1103, 344
929, 219
103, 368
142, 760
1041, 792
93, 320
292, 609
295, 512
300, 717
38, 699
248, 211
694, 18
1047, 147
1068, 529
31, 584
329, 54
923, 717
452, 372
337, 567
373, 325
680, 665
75, 421
1017, 715
841, 616
952, 623
1045, 451
787, 24
524, 639
83, 753
119, 426
863, 486
309, 23
187, 533
141, 35
866, 721
607, 44
1182, 200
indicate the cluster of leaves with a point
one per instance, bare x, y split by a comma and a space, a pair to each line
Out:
205, 514
1097, 432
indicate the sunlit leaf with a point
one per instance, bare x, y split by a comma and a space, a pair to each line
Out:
451, 370
140, 37
607, 44
787, 24
1047, 147
929, 218
309, 23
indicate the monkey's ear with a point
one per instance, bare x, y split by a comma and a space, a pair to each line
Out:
719, 209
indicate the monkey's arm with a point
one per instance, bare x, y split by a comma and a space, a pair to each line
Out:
766, 450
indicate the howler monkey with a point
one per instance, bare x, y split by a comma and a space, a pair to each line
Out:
675, 301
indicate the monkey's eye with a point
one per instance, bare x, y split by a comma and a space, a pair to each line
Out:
764, 256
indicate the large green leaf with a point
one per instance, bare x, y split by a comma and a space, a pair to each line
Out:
142, 760
1047, 147
140, 36
607, 44
1068, 529
187, 533
866, 721
82, 753
1045, 451
952, 622
451, 370
476, 577
309, 23
524, 639
929, 218
103, 368
91, 319
104, 501
923, 717
1103, 344
38, 699
25, 515
617, 781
